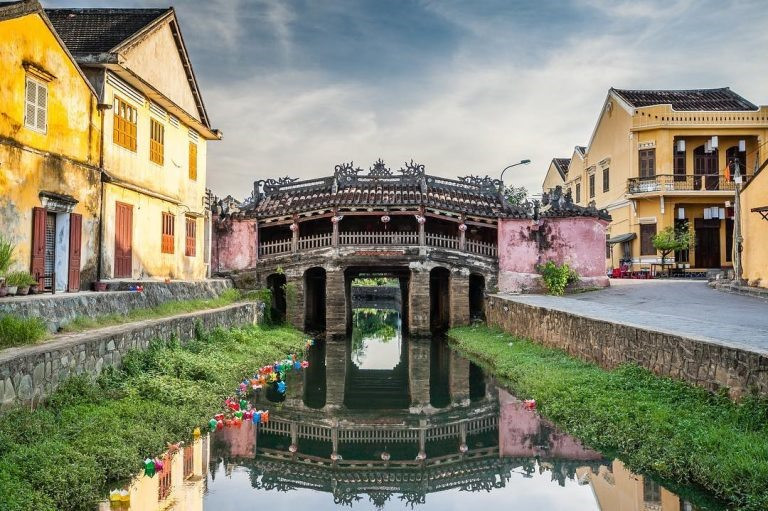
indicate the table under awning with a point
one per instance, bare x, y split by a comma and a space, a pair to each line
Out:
621, 238
763, 210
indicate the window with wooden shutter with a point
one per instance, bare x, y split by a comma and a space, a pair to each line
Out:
591, 186
156, 142
36, 105
193, 161
124, 128
578, 193
647, 160
168, 233
647, 232
606, 180
191, 238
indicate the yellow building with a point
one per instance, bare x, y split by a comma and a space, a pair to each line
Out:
155, 130
754, 228
658, 158
557, 174
50, 132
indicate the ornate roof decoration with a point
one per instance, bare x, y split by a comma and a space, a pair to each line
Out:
412, 169
379, 169
555, 204
272, 185
483, 182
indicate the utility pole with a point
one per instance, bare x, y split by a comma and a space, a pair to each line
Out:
737, 239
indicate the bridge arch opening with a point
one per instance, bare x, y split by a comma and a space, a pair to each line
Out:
439, 373
476, 297
315, 388
314, 299
439, 299
276, 285
476, 382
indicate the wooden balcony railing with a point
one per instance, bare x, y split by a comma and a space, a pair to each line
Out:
678, 183
315, 241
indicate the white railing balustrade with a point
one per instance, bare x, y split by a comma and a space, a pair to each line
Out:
379, 238
315, 241
442, 241
275, 247
481, 248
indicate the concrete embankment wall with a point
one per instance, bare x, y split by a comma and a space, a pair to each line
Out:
30, 373
708, 364
59, 309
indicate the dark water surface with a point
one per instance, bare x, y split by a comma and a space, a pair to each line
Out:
382, 422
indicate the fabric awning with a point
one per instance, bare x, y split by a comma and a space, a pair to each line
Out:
622, 238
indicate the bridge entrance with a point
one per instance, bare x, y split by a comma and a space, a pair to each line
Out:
439, 299
276, 285
314, 299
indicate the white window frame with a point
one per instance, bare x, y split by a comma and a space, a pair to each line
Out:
35, 106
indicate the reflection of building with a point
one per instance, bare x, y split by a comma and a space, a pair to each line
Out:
179, 487
618, 489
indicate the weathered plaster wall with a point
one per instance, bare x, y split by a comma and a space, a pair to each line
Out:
64, 159
31, 373
235, 244
524, 244
60, 309
609, 344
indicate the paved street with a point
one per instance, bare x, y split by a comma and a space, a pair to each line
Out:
681, 307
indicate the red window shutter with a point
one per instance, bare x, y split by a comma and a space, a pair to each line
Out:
38, 244
75, 247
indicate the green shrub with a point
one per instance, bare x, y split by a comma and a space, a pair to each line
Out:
16, 331
557, 277
6, 255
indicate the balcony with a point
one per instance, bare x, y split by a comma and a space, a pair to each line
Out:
668, 183
369, 239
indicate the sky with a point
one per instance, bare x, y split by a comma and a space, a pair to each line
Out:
470, 86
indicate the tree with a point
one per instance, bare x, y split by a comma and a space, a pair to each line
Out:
671, 239
516, 195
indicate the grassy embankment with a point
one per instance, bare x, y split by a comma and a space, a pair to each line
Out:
16, 331
92, 435
660, 426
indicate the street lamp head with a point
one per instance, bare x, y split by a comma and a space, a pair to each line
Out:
523, 162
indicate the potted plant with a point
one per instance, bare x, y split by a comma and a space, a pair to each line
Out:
21, 280
14, 280
99, 286
6, 261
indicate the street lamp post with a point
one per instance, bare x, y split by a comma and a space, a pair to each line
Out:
501, 178
737, 239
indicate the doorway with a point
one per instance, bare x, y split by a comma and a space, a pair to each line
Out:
476, 297
276, 285
707, 243
123, 240
439, 299
314, 300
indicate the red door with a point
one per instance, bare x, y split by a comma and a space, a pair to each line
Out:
38, 245
123, 239
75, 247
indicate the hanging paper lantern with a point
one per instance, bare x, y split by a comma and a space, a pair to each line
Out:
243, 404
294, 227
281, 387
420, 219
219, 416
212, 424
462, 227
385, 456
239, 415
293, 448
265, 416
149, 467
158, 465
304, 364
463, 448
296, 365
256, 417
196, 433
220, 424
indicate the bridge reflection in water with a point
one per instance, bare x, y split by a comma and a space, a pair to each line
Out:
374, 436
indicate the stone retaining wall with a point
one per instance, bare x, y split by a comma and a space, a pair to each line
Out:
707, 364
30, 373
61, 308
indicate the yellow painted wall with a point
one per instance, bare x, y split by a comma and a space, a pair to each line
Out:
62, 160
755, 232
552, 178
618, 489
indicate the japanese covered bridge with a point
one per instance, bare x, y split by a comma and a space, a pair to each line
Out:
447, 241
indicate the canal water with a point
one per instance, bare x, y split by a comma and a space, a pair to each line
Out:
379, 421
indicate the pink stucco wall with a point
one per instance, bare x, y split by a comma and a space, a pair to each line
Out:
524, 244
523, 433
234, 245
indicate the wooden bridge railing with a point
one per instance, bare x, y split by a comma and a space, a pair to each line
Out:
315, 241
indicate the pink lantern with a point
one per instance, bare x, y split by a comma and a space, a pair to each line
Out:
385, 219
462, 227
294, 227
421, 220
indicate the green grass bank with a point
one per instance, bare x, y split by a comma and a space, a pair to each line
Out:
663, 427
93, 434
